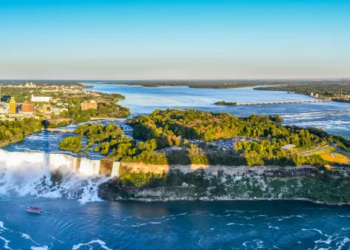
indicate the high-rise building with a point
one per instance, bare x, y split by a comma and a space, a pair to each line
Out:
13, 105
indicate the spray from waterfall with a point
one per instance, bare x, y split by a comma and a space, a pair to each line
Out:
47, 144
51, 175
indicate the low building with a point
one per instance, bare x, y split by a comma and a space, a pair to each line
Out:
85, 105
41, 98
27, 107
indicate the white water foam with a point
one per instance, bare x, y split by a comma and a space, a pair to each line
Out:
313, 229
30, 174
27, 237
6, 243
40, 248
99, 242
2, 226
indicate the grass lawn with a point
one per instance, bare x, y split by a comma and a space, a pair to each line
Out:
338, 158
320, 150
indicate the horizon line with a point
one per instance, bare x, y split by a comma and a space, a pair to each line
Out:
184, 79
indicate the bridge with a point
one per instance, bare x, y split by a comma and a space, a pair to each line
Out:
281, 102
64, 130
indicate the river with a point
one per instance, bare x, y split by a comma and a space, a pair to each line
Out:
81, 221
66, 224
333, 117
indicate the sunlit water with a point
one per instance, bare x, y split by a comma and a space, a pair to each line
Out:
75, 223
173, 225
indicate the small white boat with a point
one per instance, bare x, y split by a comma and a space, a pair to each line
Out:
34, 210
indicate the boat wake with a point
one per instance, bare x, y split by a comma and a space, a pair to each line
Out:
334, 122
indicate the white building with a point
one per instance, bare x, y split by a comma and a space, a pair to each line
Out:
41, 98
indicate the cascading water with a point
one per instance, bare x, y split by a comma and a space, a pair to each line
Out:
50, 175
89, 167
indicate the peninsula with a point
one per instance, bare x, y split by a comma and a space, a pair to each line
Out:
191, 154
178, 154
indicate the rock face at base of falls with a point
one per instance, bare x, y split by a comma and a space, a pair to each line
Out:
240, 183
40, 160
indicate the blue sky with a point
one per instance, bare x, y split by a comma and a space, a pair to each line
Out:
155, 39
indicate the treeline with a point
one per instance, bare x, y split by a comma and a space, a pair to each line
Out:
99, 137
13, 131
107, 106
196, 124
43, 82
322, 88
171, 179
20, 94
341, 100
271, 153
104, 110
226, 103
76, 99
224, 84
163, 129
172, 127
71, 143
213, 84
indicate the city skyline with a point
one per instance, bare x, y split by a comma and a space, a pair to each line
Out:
145, 40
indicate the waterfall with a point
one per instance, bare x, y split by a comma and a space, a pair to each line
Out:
39, 160
63, 161
89, 167
115, 169
21, 159
32, 173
